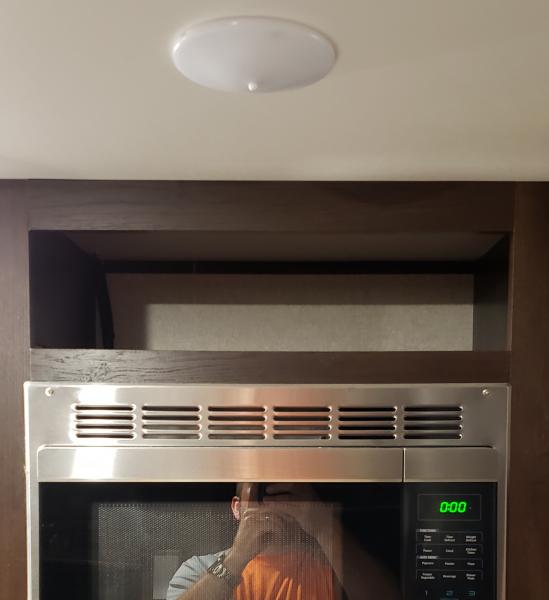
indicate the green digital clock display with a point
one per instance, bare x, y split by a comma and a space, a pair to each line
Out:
439, 507
453, 507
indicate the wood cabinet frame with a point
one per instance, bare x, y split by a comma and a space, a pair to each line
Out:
299, 207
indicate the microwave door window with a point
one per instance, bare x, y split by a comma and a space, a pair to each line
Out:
247, 541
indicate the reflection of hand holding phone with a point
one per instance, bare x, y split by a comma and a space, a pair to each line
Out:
253, 492
259, 528
262, 491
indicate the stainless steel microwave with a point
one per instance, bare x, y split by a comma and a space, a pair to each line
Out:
348, 491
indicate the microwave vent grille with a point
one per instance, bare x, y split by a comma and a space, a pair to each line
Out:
362, 422
237, 422
302, 423
272, 418
170, 422
433, 422
265, 416
103, 421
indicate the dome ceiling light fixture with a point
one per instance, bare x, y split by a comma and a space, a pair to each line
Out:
253, 54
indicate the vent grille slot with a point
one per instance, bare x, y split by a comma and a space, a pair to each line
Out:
103, 421
434, 422
237, 422
302, 423
366, 423
170, 422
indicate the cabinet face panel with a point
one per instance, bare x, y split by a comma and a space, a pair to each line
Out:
14, 370
528, 576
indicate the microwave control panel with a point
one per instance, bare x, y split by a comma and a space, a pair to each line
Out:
449, 541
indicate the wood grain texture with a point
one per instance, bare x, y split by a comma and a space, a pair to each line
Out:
142, 366
528, 542
14, 343
271, 206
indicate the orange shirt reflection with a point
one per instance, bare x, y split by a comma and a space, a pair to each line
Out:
291, 576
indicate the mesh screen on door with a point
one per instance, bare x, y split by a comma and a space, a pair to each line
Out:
140, 546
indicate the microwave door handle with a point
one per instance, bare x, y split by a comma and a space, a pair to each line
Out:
230, 464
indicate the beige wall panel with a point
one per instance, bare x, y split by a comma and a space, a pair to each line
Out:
293, 312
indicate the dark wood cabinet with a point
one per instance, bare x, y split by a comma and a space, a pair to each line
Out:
59, 240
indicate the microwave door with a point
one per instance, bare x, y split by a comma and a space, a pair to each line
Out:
118, 522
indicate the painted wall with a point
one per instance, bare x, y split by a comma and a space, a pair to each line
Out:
293, 312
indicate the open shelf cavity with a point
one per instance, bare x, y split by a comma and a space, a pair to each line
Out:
169, 299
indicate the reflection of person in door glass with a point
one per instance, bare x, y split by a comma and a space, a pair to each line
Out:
289, 546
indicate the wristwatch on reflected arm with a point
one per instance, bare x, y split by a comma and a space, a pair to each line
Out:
219, 570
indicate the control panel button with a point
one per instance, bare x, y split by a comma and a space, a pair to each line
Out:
427, 536
471, 593
449, 538
426, 550
474, 563
472, 576
473, 550
449, 576
450, 551
448, 564
474, 537
427, 563
428, 576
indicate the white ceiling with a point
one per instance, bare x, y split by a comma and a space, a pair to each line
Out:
423, 89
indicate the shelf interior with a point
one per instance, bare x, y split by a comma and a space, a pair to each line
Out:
208, 292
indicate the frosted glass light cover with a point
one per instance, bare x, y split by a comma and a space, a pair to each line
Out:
253, 54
